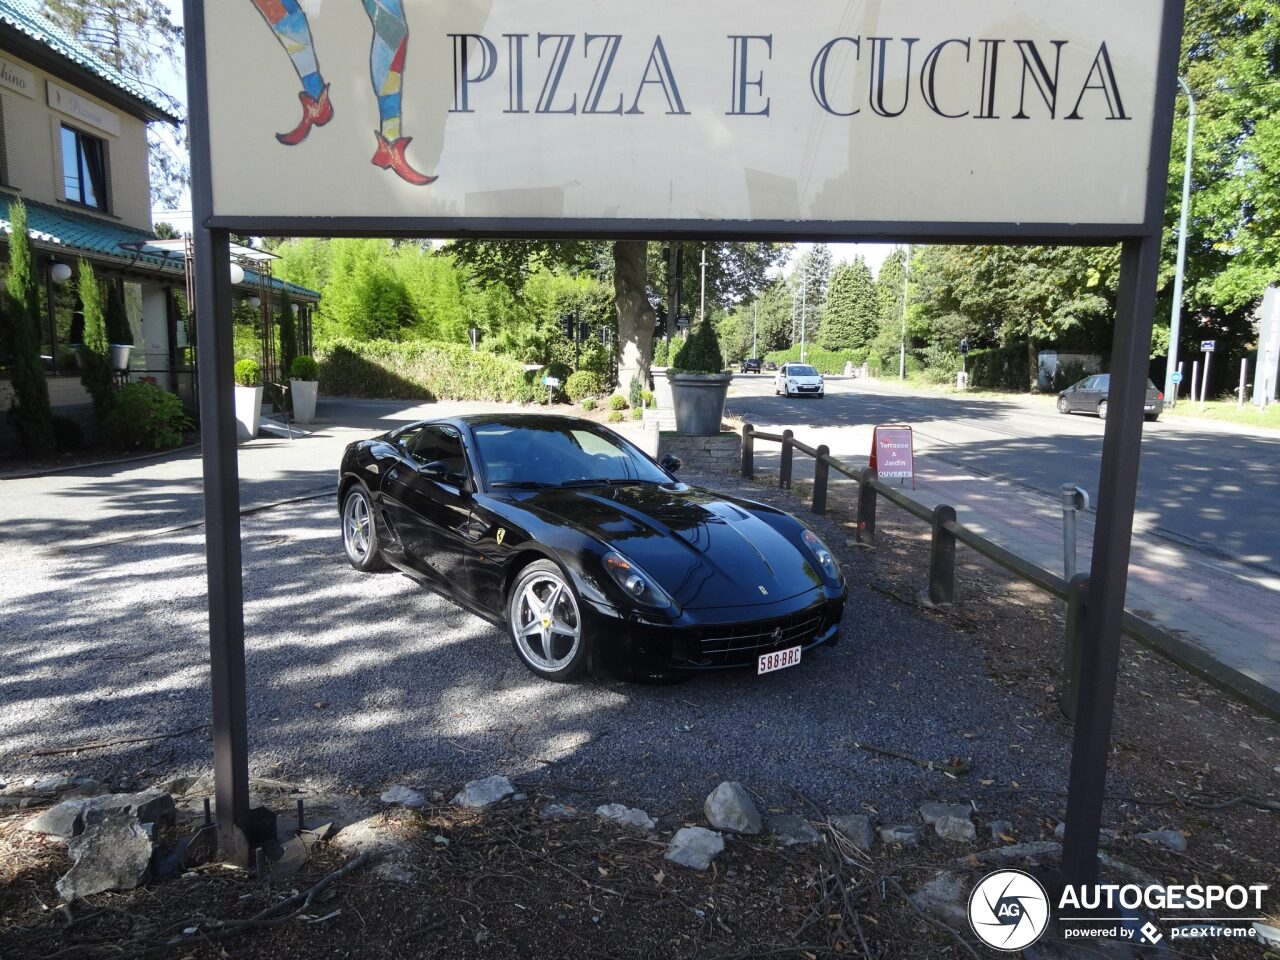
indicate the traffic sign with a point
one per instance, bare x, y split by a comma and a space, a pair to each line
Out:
1208, 346
1177, 377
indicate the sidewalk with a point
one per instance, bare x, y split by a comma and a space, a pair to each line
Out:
1228, 611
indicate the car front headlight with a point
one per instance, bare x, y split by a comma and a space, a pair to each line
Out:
820, 553
635, 583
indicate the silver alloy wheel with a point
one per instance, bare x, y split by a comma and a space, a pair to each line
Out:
1102, 410
357, 527
1063, 405
546, 622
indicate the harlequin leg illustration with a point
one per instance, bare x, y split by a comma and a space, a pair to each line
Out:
289, 23
386, 70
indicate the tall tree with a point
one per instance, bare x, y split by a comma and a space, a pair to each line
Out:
137, 38
851, 314
736, 272
95, 358
810, 279
777, 307
30, 407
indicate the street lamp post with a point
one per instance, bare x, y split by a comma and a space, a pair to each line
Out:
902, 353
1175, 320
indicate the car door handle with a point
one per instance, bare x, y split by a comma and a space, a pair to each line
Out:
393, 473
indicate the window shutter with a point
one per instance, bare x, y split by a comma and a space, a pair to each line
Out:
114, 192
59, 182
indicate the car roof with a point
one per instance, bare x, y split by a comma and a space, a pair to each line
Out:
519, 420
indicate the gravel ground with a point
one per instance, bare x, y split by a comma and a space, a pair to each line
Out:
359, 681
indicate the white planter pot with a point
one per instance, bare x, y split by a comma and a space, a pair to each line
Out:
661, 387
248, 412
120, 355
304, 399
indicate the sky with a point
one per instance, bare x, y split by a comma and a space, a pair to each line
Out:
174, 82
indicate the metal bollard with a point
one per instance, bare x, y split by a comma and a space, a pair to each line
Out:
1074, 499
821, 471
748, 451
1077, 611
866, 507
942, 557
788, 453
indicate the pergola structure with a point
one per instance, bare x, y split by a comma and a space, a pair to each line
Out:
1107, 162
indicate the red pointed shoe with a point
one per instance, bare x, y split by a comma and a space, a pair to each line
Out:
316, 112
390, 156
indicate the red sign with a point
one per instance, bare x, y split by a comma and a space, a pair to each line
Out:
893, 453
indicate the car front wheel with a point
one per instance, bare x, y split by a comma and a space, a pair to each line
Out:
1102, 410
360, 532
1063, 406
546, 623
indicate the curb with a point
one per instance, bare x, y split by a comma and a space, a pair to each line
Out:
93, 464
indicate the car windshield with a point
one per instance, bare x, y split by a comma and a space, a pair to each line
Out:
800, 370
559, 453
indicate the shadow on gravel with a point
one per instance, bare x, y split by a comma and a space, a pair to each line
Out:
357, 681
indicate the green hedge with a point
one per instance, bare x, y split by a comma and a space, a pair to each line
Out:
422, 370
1000, 368
828, 362
585, 383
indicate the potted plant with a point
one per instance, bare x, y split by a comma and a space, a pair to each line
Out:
248, 399
304, 374
119, 333
699, 383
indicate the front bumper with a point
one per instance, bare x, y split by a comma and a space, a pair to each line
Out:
715, 639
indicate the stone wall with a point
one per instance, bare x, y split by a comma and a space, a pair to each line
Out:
722, 454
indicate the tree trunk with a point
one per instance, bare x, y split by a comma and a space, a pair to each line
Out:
1033, 364
636, 319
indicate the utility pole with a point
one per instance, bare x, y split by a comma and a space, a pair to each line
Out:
702, 307
902, 354
804, 309
1175, 321
755, 324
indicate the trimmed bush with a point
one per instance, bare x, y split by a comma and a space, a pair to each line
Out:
145, 415
827, 362
248, 373
635, 393
637, 413
648, 399
1001, 368
617, 402
589, 404
662, 352
615, 416
304, 368
700, 353
423, 370
584, 384
118, 329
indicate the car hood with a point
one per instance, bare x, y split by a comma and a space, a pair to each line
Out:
706, 551
805, 380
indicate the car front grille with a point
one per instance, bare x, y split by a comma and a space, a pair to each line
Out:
744, 640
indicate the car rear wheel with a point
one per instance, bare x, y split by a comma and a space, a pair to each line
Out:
1063, 405
546, 622
1102, 410
1152, 417
360, 532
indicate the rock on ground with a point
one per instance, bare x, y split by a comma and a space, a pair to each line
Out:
945, 898
791, 830
627, 816
558, 811
998, 827
479, 794
959, 829
729, 807
695, 847
374, 836
404, 796
931, 813
70, 817
857, 829
113, 853
1174, 840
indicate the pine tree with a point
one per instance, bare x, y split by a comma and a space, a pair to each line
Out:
811, 279
95, 359
852, 313
288, 336
30, 407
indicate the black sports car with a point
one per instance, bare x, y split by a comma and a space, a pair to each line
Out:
589, 552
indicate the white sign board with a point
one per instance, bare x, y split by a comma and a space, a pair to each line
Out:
1208, 346
16, 78
83, 109
990, 114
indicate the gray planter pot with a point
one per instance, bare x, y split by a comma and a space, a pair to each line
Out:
304, 399
698, 399
120, 355
248, 412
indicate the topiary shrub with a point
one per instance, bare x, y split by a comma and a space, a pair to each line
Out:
423, 370
662, 352
648, 399
589, 404
700, 353
118, 329
304, 368
248, 373
145, 415
617, 402
584, 384
635, 393
637, 413
615, 416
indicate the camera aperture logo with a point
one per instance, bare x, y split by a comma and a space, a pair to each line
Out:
1009, 910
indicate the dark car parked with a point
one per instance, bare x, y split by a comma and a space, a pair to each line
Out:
753, 365
586, 550
1090, 396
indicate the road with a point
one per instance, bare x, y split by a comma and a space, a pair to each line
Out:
1214, 487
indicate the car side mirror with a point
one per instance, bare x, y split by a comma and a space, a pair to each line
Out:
671, 463
439, 470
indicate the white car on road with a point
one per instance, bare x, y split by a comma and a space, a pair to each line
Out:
799, 380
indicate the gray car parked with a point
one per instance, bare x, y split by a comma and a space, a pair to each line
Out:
1090, 396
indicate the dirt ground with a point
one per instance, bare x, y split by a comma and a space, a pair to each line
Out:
507, 884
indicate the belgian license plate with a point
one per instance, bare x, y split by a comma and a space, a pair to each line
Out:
779, 660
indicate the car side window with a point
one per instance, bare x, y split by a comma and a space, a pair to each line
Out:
444, 444
406, 439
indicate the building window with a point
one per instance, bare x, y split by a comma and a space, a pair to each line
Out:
84, 169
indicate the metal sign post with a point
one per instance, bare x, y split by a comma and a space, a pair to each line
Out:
1207, 347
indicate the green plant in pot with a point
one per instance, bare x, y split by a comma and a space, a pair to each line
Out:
699, 383
248, 391
304, 377
119, 333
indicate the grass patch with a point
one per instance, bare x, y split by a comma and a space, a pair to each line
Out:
1227, 410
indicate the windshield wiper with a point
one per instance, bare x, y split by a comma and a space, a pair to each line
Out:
522, 485
608, 482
